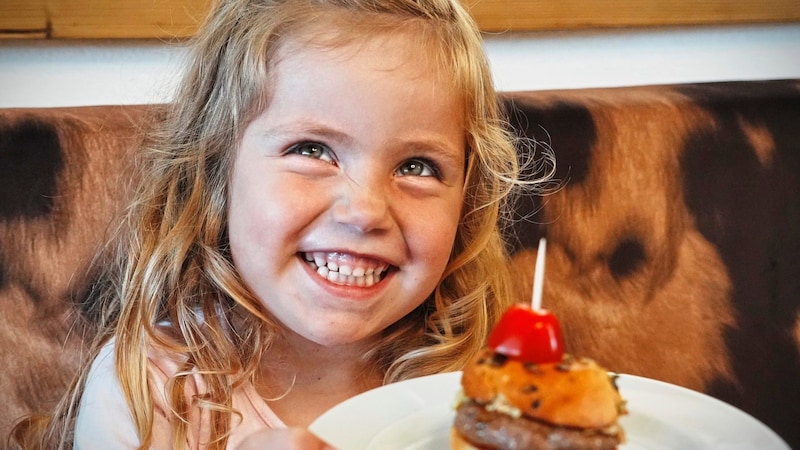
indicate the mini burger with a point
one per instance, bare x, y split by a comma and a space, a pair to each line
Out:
523, 392
509, 404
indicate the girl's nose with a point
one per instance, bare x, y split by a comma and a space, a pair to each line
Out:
362, 206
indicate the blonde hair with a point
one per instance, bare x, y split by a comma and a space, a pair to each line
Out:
175, 266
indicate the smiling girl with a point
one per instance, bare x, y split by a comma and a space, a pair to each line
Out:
317, 215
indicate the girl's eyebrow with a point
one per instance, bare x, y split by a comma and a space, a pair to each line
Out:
308, 129
439, 149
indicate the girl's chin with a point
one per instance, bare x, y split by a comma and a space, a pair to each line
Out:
336, 338
341, 335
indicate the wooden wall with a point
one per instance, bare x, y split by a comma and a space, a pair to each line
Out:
167, 19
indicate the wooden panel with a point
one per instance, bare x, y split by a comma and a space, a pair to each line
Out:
165, 19
126, 19
501, 15
23, 18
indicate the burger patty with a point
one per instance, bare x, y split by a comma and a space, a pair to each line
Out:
494, 430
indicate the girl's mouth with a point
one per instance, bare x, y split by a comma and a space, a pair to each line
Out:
345, 269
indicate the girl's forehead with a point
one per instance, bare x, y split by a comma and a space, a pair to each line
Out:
412, 43
371, 62
397, 48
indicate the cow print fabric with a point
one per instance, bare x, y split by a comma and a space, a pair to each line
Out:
677, 215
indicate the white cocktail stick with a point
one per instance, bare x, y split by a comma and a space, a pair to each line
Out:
538, 275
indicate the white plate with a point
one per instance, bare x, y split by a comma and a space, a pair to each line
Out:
417, 414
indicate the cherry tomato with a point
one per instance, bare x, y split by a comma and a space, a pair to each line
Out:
528, 335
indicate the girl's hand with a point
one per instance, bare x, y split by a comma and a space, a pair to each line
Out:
285, 438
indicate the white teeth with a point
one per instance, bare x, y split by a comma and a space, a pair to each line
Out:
344, 269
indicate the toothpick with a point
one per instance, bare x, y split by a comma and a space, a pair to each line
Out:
538, 275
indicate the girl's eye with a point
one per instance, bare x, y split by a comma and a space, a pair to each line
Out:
418, 168
313, 150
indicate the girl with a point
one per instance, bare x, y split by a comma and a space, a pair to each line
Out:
317, 216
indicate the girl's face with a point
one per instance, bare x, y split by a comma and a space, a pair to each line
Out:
347, 191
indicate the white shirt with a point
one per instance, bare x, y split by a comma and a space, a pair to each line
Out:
105, 422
